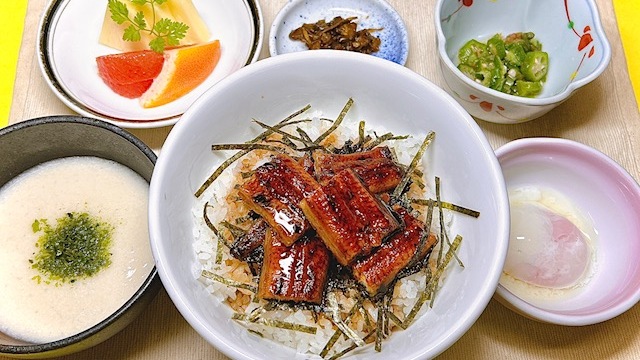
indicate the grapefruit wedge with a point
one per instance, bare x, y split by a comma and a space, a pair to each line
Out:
130, 74
184, 68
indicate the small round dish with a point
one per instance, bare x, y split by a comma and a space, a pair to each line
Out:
609, 198
68, 46
371, 14
570, 32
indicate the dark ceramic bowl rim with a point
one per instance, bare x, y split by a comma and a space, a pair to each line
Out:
59, 344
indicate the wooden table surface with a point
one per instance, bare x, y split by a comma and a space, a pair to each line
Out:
603, 115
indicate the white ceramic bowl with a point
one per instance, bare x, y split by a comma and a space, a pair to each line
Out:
404, 102
609, 198
570, 32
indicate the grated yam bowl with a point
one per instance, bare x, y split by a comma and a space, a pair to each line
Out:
39, 140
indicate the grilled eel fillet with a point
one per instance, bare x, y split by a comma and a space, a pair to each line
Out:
347, 217
274, 191
245, 245
376, 167
295, 273
376, 271
248, 247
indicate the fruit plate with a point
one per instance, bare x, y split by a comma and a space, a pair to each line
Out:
68, 46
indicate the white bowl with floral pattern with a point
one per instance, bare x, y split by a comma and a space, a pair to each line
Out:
570, 32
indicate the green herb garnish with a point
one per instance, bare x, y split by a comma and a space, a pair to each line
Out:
77, 247
165, 31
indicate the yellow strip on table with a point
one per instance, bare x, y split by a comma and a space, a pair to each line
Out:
12, 14
627, 14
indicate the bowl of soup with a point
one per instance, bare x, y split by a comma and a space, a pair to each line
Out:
76, 265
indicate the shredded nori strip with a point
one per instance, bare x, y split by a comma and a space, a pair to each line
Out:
257, 312
361, 137
384, 137
334, 314
423, 237
351, 348
286, 135
235, 230
255, 332
396, 320
248, 147
336, 335
379, 326
414, 163
221, 240
337, 122
278, 324
236, 284
225, 164
449, 206
207, 221
303, 134
441, 216
451, 253
387, 309
430, 289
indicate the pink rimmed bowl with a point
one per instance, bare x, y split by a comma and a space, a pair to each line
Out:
609, 197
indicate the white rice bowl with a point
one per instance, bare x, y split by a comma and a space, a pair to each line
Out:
396, 100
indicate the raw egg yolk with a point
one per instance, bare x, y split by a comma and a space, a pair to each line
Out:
545, 248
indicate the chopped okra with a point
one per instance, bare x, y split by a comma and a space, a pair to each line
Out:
514, 64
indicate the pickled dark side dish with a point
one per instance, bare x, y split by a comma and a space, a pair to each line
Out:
338, 34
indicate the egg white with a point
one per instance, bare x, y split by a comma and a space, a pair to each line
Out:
537, 268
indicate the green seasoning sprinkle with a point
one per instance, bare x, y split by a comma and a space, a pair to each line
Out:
77, 247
